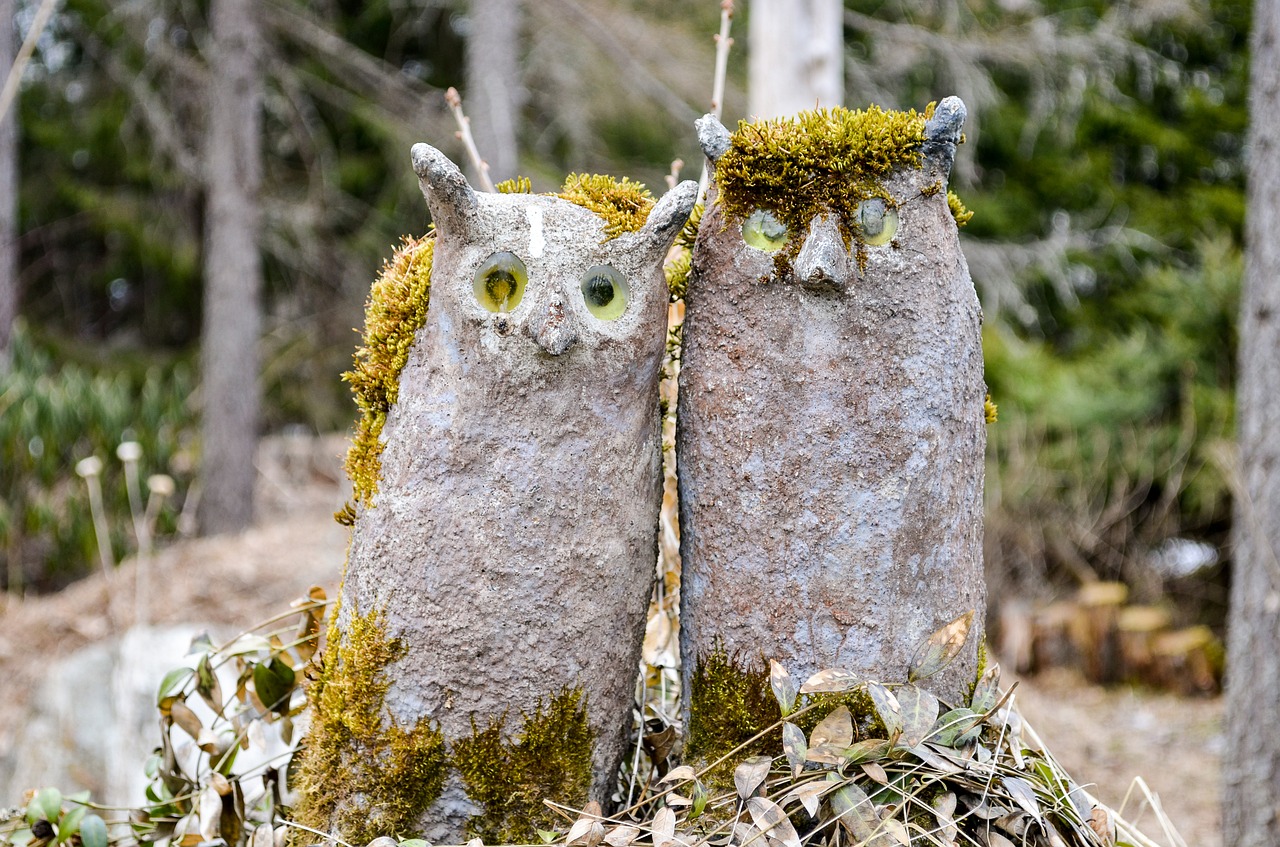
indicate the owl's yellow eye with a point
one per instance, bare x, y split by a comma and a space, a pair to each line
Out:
605, 292
500, 282
878, 222
763, 231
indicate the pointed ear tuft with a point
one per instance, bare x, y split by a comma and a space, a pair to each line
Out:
712, 135
449, 197
668, 216
942, 132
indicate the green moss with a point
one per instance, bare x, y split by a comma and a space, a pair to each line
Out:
396, 310
801, 166
361, 773
549, 760
990, 410
958, 210
623, 204
677, 273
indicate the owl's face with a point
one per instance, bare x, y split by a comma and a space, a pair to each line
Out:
536, 274
831, 197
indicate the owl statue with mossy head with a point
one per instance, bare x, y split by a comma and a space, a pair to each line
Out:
507, 474
831, 419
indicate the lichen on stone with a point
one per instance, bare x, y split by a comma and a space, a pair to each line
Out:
362, 774
396, 310
550, 759
623, 203
828, 159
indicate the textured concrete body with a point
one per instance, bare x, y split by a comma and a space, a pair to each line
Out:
831, 439
512, 541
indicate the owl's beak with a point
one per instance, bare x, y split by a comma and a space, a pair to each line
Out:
553, 330
823, 261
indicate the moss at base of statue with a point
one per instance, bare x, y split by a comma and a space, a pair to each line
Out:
360, 776
550, 759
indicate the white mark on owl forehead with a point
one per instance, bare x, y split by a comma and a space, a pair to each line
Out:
536, 242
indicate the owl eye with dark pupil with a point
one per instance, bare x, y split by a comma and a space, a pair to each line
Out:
500, 282
605, 292
878, 222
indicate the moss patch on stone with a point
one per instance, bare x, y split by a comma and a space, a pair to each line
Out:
622, 203
515, 185
549, 760
958, 209
828, 159
362, 775
396, 310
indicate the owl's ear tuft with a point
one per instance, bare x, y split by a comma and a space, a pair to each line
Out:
942, 132
713, 137
668, 216
449, 197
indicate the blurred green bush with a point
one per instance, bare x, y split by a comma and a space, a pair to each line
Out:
54, 413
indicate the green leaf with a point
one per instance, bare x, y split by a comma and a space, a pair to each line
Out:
418, 842
856, 813
868, 750
49, 802
887, 707
940, 649
795, 748
547, 835
172, 681
986, 690
699, 798
93, 831
956, 728
69, 825
273, 680
784, 687
919, 712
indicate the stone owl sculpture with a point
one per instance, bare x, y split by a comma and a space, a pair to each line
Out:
507, 474
831, 422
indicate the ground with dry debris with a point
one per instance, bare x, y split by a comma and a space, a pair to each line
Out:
1103, 737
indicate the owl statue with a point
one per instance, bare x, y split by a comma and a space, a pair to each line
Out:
831, 413
507, 474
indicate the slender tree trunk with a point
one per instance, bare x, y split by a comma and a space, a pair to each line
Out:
493, 83
8, 192
233, 269
795, 56
1251, 808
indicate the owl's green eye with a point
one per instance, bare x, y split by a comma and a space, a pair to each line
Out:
500, 282
763, 231
606, 292
878, 222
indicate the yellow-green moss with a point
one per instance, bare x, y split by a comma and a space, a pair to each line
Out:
623, 204
396, 310
518, 185
958, 210
677, 273
801, 166
549, 760
990, 410
362, 774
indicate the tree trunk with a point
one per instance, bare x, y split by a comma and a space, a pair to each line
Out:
830, 442
795, 56
233, 269
8, 191
1251, 798
493, 83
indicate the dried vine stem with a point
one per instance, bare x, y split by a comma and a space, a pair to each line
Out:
723, 43
454, 99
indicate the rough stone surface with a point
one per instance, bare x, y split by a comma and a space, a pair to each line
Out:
512, 542
830, 444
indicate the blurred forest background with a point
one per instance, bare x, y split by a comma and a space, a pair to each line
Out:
1104, 161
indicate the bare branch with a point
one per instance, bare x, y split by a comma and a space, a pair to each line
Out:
454, 99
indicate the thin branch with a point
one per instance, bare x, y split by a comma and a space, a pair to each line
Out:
723, 43
10, 90
454, 99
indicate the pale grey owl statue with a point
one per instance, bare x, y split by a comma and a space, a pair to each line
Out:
508, 475
831, 414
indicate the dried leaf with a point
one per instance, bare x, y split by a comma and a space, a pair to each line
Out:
831, 681
887, 707
748, 775
784, 687
936, 760
210, 813
919, 712
995, 839
621, 836
263, 836
746, 834
824, 754
1103, 826
944, 807
856, 813
956, 728
986, 690
677, 801
586, 831
1024, 795
684, 773
940, 649
835, 730
808, 793
875, 772
898, 832
769, 817
207, 685
664, 827
793, 745
186, 719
